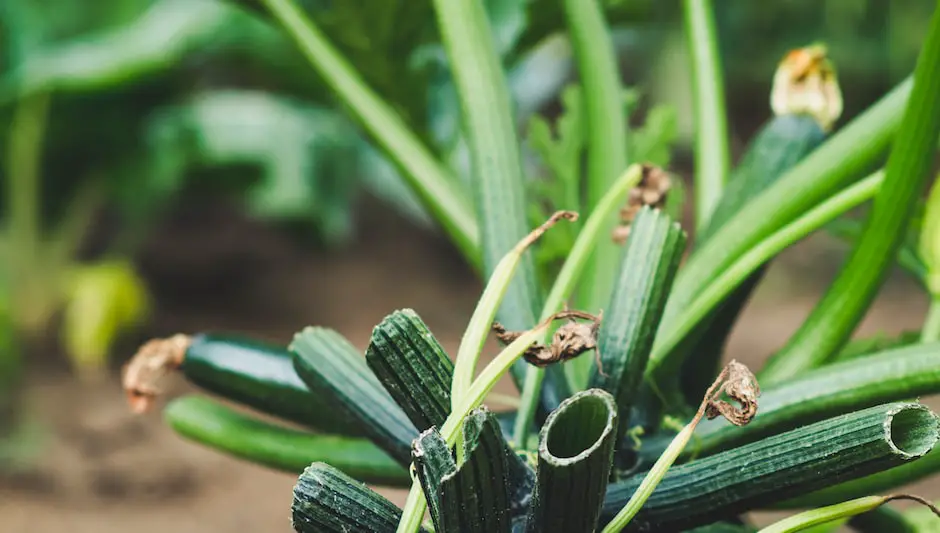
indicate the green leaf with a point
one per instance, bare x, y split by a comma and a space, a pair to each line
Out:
885, 518
806, 520
474, 496
412, 367
328, 501
576, 449
805, 459
332, 367
841, 309
892, 375
653, 141
217, 426
647, 268
876, 343
308, 156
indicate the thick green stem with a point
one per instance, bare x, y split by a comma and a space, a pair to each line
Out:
606, 132
836, 316
430, 180
711, 135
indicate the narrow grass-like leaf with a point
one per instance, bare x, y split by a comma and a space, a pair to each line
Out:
835, 389
565, 282
876, 343
331, 366
217, 426
433, 183
712, 156
413, 367
468, 353
576, 448
606, 126
647, 268
845, 303
805, 459
328, 501
813, 517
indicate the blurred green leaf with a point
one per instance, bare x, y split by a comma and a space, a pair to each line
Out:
653, 141
307, 155
101, 301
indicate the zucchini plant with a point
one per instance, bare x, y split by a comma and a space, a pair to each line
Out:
639, 426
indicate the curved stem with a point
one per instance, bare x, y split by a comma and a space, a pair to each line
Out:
564, 285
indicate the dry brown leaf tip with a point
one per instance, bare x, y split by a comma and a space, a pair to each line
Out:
569, 341
152, 361
738, 383
652, 190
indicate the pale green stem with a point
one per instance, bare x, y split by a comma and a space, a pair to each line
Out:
711, 127
481, 322
564, 285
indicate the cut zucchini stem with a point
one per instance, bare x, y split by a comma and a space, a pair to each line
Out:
154, 360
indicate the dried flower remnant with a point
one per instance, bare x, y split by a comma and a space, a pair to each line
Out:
569, 340
805, 82
738, 383
652, 191
152, 361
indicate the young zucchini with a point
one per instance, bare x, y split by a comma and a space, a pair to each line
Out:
214, 425
253, 373
806, 101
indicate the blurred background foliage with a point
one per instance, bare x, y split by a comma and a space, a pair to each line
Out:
117, 108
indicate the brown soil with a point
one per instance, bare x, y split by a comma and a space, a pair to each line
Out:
105, 470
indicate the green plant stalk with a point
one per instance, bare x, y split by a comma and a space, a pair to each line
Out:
217, 426
831, 390
415, 504
575, 454
836, 316
822, 515
606, 125
433, 184
883, 519
663, 360
711, 136
568, 276
840, 161
488, 120
468, 353
931, 329
805, 459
